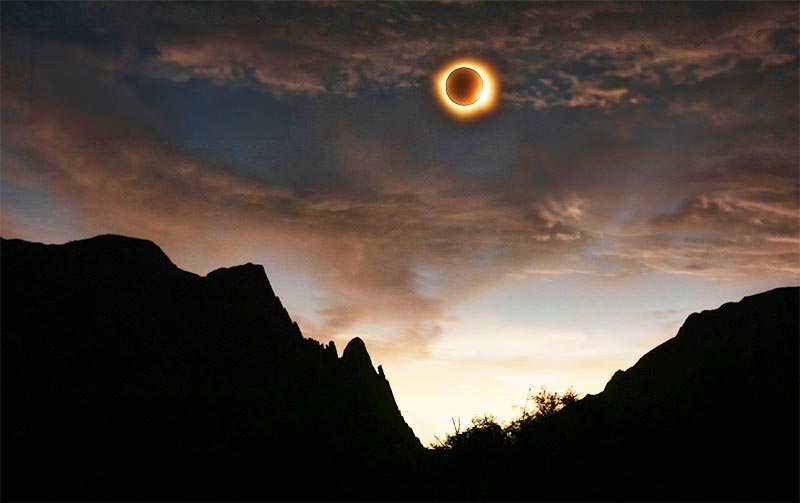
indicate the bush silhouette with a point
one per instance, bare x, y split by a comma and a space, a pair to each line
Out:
483, 461
484, 435
487, 435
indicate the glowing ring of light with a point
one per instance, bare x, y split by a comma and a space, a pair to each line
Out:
485, 102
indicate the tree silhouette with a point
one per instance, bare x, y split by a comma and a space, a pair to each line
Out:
550, 402
487, 433
484, 460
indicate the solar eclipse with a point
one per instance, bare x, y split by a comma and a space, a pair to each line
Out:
465, 87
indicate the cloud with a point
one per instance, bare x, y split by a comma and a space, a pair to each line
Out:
631, 139
230, 58
724, 234
743, 214
581, 55
365, 241
718, 259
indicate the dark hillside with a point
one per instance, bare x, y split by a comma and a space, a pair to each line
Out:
711, 414
126, 377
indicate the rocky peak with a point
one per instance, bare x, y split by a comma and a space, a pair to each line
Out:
355, 356
246, 280
123, 251
211, 372
123, 255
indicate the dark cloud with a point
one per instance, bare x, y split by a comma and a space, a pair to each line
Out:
595, 55
628, 138
365, 241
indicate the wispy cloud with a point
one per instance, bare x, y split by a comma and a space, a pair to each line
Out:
366, 241
629, 139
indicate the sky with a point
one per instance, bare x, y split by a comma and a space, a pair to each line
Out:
639, 163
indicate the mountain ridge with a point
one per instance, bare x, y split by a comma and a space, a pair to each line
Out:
125, 377
210, 372
711, 414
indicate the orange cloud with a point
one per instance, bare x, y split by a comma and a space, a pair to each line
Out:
366, 243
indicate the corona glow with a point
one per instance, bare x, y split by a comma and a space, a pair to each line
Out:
488, 88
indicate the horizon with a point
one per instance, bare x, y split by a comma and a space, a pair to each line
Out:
639, 164
430, 437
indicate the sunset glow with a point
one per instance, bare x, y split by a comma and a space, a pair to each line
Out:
622, 173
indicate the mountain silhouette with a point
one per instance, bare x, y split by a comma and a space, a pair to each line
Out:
709, 415
125, 377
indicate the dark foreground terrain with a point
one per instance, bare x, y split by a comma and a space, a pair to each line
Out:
711, 414
124, 377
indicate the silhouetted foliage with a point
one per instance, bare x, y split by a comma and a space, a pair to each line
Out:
669, 428
486, 434
548, 403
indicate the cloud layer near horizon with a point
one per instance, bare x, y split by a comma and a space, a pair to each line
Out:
628, 139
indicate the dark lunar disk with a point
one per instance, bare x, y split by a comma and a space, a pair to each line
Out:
464, 86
